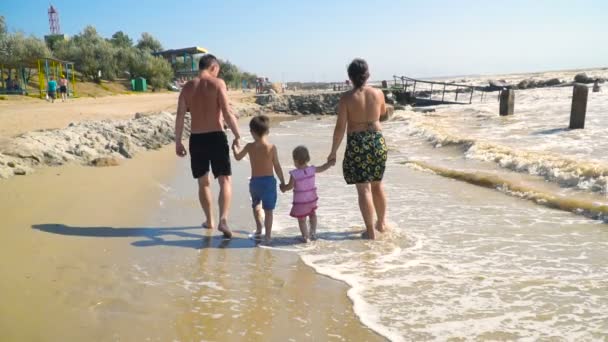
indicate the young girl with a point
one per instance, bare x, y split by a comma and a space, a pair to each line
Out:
302, 181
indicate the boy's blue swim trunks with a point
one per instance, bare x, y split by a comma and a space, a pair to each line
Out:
263, 189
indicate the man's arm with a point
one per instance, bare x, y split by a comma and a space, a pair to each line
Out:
180, 150
277, 165
238, 155
229, 118
339, 130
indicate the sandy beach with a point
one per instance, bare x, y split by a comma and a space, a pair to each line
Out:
95, 255
117, 253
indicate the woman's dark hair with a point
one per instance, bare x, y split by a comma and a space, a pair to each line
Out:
301, 155
358, 72
259, 125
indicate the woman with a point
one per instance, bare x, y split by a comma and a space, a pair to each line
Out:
359, 113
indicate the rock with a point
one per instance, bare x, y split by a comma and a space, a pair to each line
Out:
596, 87
139, 115
552, 82
19, 172
10, 164
424, 110
525, 84
583, 78
498, 85
105, 161
6, 173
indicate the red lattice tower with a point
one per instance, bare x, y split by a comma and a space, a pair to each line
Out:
54, 20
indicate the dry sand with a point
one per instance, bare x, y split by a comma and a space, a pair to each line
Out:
23, 116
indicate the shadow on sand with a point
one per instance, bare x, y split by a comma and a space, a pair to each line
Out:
154, 236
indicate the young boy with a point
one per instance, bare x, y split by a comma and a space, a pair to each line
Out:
264, 164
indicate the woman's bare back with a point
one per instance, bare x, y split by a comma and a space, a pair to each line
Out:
365, 106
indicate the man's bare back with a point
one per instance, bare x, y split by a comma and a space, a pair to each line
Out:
204, 97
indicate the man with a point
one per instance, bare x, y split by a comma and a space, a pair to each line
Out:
206, 99
52, 89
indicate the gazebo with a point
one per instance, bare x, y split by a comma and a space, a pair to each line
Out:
182, 60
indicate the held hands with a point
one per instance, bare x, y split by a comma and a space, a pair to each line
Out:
283, 187
331, 159
180, 150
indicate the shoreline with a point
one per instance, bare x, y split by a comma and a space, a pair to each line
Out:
92, 275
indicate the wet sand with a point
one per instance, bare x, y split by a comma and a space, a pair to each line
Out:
116, 254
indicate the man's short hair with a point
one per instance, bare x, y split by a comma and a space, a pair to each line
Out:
259, 125
207, 61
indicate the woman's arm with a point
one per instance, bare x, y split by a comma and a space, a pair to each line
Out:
339, 130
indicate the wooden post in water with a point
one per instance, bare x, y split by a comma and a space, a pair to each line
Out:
384, 84
471, 99
579, 106
443, 94
507, 102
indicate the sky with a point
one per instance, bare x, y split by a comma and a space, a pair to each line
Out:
314, 40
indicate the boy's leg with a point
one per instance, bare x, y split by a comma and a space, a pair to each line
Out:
303, 228
268, 224
257, 215
204, 196
313, 225
366, 206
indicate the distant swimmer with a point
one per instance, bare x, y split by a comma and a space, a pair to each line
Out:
366, 152
207, 100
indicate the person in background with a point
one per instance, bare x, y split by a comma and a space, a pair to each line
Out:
52, 89
63, 88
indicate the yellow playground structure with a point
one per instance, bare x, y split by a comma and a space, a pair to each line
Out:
17, 82
48, 67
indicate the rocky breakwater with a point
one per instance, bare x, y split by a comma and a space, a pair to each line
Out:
305, 104
98, 143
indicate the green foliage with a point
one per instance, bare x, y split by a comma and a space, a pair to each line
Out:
233, 76
149, 43
19, 50
121, 40
2, 26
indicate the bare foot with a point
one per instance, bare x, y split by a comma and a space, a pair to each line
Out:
304, 239
313, 237
366, 235
381, 227
207, 225
257, 235
223, 227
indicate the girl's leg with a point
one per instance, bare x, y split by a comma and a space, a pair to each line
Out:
303, 228
257, 215
366, 206
313, 226
268, 223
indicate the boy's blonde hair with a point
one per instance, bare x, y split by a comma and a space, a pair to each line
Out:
300, 154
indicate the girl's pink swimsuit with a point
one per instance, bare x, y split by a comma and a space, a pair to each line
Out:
304, 192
